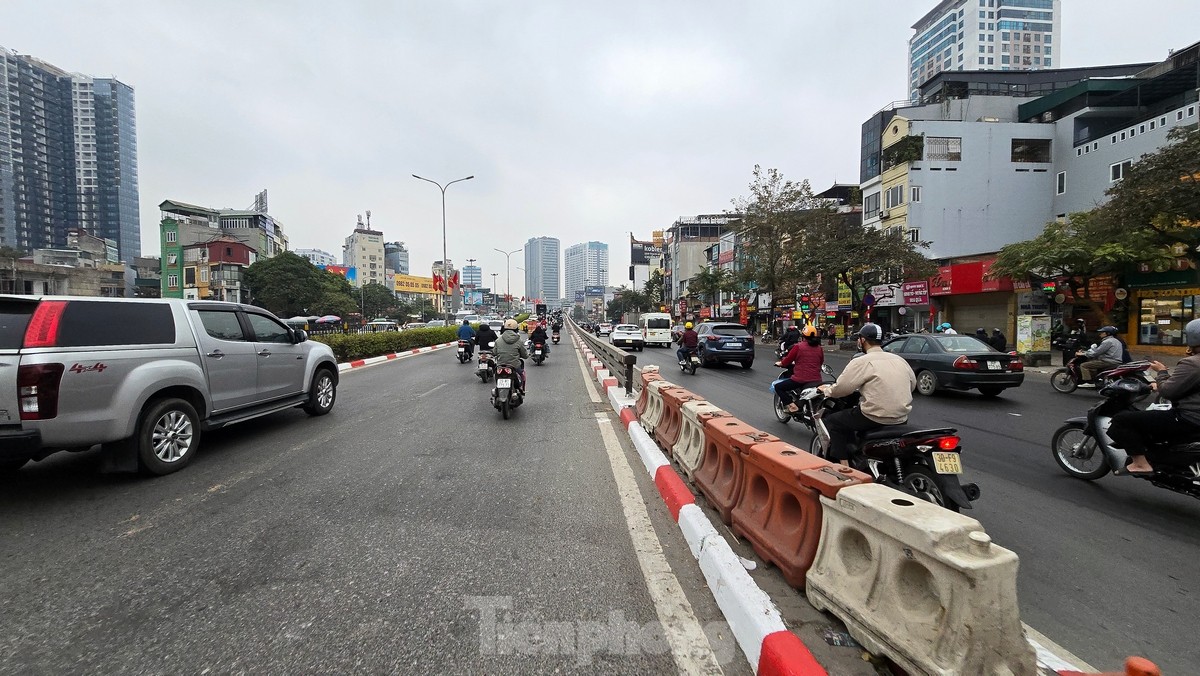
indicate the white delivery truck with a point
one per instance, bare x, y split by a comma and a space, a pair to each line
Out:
656, 328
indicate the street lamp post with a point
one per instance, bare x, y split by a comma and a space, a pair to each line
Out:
445, 265
494, 275
508, 274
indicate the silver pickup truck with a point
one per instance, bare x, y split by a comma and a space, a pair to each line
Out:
144, 377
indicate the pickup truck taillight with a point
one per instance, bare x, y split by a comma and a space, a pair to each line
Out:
37, 388
42, 330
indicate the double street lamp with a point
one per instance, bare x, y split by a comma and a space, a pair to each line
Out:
445, 264
508, 273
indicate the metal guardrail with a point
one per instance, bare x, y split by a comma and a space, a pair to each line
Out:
619, 362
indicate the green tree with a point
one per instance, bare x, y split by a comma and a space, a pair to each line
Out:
653, 288
376, 300
772, 230
628, 300
286, 284
337, 296
710, 283
837, 247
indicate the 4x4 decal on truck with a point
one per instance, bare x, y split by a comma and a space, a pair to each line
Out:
80, 368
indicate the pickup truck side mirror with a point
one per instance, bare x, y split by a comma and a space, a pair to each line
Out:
299, 335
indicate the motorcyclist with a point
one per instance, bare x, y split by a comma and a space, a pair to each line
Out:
885, 383
998, 340
688, 340
510, 349
538, 335
1070, 341
485, 337
1135, 431
805, 359
1102, 357
790, 338
465, 332
947, 329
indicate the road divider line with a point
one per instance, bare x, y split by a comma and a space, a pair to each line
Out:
372, 361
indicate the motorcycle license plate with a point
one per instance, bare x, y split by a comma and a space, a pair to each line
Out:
462, 349
483, 366
538, 353
994, 365
502, 383
947, 463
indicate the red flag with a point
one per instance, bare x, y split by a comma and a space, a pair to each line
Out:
454, 280
437, 282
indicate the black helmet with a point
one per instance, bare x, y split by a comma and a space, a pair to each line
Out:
465, 322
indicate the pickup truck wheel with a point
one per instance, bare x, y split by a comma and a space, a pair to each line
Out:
322, 394
167, 436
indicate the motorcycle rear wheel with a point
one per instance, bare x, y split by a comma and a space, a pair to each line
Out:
504, 409
781, 413
1089, 468
923, 482
1062, 381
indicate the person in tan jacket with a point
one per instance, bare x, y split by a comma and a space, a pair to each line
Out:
885, 383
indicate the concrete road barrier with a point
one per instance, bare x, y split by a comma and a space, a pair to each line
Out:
779, 506
654, 405
689, 448
920, 584
667, 431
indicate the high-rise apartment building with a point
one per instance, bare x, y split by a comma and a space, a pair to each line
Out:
363, 251
395, 256
542, 270
68, 157
585, 265
984, 35
472, 276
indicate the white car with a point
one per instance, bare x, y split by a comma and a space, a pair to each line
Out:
627, 335
604, 329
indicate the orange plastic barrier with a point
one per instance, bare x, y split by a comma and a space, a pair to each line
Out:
719, 476
667, 431
779, 505
1134, 666
647, 378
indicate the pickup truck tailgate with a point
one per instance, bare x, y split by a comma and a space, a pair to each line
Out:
14, 316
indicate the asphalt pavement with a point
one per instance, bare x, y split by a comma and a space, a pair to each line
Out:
412, 530
1108, 568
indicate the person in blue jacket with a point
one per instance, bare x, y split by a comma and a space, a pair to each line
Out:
465, 332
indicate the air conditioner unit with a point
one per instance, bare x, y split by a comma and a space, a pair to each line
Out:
884, 213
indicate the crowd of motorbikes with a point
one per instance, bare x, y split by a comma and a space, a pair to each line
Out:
508, 391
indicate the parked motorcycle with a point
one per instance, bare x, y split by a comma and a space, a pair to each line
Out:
1083, 449
508, 393
924, 463
1069, 378
690, 364
538, 353
487, 366
464, 354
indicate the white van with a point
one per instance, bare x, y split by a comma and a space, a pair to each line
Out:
656, 328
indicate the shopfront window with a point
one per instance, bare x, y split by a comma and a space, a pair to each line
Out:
1161, 320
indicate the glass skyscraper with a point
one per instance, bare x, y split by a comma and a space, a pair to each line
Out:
68, 157
542, 270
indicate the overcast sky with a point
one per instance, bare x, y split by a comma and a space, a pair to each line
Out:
582, 121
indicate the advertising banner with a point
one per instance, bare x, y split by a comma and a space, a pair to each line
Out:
350, 274
414, 284
915, 293
725, 257
644, 253
594, 291
578, 296
887, 295
1033, 334
940, 285
845, 298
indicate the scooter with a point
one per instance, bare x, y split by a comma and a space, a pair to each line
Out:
924, 463
690, 364
1069, 378
464, 354
805, 408
1083, 449
554, 336
508, 393
538, 353
487, 366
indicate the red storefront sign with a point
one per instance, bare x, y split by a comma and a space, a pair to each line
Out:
725, 257
915, 293
682, 306
705, 313
963, 278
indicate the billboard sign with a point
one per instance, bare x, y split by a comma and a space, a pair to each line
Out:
350, 274
644, 253
578, 296
594, 291
414, 284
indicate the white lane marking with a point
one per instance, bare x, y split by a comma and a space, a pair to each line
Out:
435, 389
689, 645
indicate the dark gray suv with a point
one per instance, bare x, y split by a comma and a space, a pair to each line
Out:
145, 377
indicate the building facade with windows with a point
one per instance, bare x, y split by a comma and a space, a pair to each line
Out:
984, 35
182, 225
68, 157
363, 251
584, 265
318, 257
395, 256
543, 271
